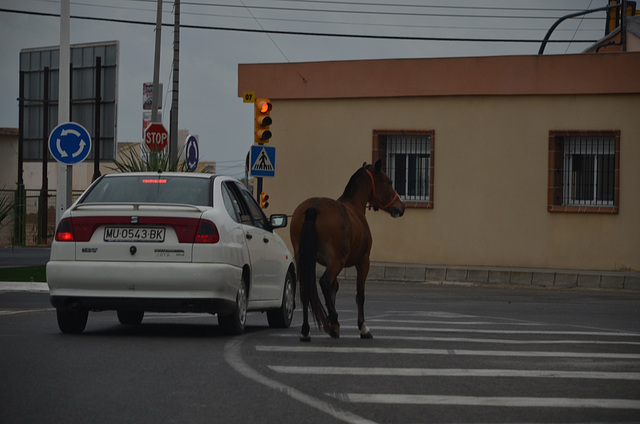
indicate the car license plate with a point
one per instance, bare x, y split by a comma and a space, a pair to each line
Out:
137, 234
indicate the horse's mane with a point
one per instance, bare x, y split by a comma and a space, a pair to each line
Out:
352, 184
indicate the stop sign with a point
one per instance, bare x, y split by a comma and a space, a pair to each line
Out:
156, 137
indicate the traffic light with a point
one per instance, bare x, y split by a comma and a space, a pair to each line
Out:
614, 15
263, 107
264, 204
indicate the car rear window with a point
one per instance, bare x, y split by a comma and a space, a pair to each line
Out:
151, 189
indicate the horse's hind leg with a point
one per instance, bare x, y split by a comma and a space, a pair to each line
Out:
305, 335
362, 270
329, 285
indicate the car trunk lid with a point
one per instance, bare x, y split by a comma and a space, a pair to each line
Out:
144, 233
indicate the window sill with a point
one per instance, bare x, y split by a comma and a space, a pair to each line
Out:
418, 205
608, 210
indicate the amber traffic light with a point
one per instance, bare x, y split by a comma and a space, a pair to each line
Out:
264, 200
262, 132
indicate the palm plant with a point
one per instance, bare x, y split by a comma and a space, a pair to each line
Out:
6, 206
129, 160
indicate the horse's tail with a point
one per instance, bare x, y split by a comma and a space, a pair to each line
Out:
307, 253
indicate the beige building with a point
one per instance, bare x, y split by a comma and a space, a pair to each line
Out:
516, 161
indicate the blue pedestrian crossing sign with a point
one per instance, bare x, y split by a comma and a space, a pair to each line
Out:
263, 161
69, 143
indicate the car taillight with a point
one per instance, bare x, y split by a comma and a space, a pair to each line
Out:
65, 230
207, 233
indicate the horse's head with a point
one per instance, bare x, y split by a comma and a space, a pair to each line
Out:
383, 195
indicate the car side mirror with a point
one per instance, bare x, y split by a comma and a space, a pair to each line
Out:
278, 220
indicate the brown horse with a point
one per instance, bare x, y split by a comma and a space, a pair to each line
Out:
335, 234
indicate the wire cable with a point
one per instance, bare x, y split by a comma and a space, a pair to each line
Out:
312, 34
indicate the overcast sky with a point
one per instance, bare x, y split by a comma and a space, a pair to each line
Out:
209, 57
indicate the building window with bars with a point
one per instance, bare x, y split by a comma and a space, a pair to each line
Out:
407, 157
584, 171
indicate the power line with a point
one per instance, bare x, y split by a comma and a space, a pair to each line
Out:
351, 23
370, 12
448, 6
360, 12
303, 33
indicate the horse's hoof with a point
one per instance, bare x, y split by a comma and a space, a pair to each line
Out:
365, 333
304, 338
334, 331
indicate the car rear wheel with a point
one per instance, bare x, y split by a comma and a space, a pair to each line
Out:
72, 322
281, 317
130, 317
233, 323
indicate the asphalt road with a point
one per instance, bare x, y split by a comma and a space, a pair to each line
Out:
440, 354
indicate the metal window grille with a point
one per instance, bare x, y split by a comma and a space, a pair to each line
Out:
588, 171
408, 165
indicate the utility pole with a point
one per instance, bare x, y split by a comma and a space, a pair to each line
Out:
64, 186
623, 26
173, 128
156, 66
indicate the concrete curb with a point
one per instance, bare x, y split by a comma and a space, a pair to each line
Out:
23, 287
520, 277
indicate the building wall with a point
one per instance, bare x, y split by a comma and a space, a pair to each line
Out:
491, 174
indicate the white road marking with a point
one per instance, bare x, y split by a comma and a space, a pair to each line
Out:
462, 352
413, 321
23, 311
485, 341
482, 331
584, 336
510, 341
233, 356
512, 402
446, 372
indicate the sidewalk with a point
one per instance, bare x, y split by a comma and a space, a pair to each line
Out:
520, 277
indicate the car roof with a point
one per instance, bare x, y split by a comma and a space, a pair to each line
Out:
156, 174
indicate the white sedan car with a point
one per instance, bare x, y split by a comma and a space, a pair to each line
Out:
170, 242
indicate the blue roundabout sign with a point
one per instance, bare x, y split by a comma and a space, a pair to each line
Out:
69, 143
192, 153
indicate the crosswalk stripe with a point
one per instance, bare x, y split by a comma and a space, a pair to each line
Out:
463, 352
437, 372
521, 402
485, 331
440, 322
484, 341
23, 311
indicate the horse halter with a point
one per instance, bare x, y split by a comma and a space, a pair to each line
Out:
374, 201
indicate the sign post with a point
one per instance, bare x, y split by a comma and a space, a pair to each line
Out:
64, 184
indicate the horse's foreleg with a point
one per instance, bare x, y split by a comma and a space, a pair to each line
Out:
363, 271
329, 290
